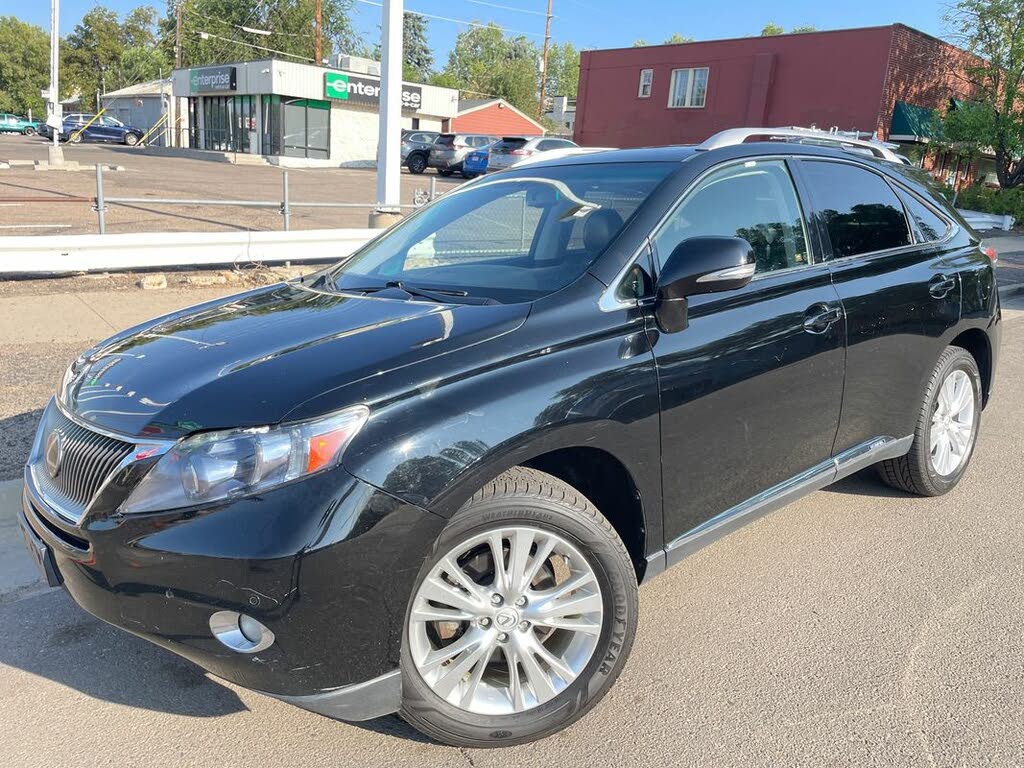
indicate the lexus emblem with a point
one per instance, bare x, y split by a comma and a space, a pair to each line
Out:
506, 619
54, 455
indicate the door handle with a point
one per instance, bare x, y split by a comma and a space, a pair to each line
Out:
819, 317
940, 286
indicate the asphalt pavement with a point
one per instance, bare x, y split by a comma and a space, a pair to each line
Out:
858, 626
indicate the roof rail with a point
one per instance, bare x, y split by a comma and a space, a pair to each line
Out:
842, 140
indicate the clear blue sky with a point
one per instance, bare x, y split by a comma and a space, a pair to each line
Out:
594, 23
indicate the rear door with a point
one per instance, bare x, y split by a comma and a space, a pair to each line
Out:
751, 389
900, 290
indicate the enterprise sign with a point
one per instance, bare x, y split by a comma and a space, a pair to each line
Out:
364, 90
211, 79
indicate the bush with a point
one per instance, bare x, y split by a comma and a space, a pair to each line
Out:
993, 200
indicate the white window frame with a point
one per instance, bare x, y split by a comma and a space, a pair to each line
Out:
650, 84
691, 73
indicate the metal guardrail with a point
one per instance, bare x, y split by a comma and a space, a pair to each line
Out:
284, 206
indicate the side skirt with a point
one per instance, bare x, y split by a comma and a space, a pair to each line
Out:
817, 477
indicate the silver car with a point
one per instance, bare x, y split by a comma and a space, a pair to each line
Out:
511, 149
449, 150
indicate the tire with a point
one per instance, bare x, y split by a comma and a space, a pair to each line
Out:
469, 175
917, 472
29, 131
75, 138
525, 501
446, 173
130, 139
416, 163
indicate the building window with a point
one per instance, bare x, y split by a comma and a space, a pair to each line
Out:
646, 81
688, 88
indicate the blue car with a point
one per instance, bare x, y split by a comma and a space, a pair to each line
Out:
476, 162
103, 129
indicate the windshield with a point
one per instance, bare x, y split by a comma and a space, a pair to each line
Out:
514, 237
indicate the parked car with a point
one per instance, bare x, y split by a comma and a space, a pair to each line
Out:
450, 149
429, 478
512, 149
475, 163
17, 124
416, 149
77, 128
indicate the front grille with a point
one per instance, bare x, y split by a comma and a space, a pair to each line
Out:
87, 460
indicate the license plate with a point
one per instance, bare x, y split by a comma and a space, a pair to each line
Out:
42, 556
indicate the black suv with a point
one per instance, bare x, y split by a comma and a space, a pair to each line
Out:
429, 479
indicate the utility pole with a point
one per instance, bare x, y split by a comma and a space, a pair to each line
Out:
389, 136
56, 118
318, 51
177, 34
544, 63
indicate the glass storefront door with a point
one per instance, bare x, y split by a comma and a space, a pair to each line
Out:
229, 124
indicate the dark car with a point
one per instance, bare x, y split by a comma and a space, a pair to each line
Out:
416, 149
429, 479
449, 150
105, 129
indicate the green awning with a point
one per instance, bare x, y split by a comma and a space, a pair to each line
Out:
913, 123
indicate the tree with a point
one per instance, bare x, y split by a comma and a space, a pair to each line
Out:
993, 119
563, 74
418, 60
640, 43
771, 28
485, 62
677, 38
803, 28
24, 66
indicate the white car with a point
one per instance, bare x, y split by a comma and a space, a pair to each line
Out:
512, 149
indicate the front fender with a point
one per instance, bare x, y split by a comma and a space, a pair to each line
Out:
571, 376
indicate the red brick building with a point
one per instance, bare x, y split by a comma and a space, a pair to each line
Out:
495, 117
893, 81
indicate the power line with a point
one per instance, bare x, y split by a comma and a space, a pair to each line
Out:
253, 45
455, 21
506, 7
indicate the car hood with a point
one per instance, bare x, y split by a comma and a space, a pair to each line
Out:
249, 360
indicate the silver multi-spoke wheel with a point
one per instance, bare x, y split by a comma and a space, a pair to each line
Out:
506, 620
952, 423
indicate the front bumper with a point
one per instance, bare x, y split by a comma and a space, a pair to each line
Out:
327, 564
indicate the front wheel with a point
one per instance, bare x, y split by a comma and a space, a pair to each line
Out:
522, 617
131, 139
946, 430
75, 138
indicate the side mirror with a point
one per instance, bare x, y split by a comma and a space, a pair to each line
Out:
700, 265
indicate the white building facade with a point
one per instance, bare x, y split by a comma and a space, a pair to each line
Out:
296, 114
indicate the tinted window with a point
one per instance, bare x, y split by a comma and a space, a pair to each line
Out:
930, 225
510, 143
755, 201
445, 140
861, 212
516, 238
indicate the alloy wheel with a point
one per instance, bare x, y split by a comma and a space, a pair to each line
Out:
506, 620
952, 426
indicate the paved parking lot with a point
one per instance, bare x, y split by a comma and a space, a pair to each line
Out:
177, 177
857, 627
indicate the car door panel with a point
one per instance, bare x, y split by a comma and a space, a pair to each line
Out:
751, 389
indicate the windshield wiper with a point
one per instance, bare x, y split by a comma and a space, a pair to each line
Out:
440, 295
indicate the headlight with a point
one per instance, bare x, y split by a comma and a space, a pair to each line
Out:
213, 466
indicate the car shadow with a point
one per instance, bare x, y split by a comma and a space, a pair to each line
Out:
866, 483
48, 636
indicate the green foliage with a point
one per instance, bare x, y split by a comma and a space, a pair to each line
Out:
677, 38
418, 59
994, 119
640, 43
993, 200
24, 66
803, 28
563, 75
771, 28
485, 62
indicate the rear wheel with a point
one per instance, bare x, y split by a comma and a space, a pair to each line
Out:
946, 431
446, 173
521, 619
29, 131
417, 163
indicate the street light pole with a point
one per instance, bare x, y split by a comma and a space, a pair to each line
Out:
544, 63
56, 155
389, 134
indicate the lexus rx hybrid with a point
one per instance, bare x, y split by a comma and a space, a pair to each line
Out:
430, 478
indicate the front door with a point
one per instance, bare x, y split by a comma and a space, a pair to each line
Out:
900, 289
751, 390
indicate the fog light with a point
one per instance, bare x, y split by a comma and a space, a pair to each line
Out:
240, 633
